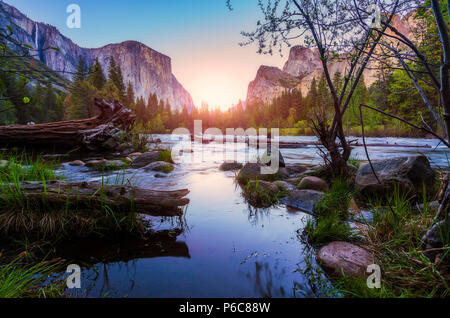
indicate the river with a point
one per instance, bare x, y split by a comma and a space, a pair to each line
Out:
223, 247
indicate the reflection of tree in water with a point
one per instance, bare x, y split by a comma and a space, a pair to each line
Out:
263, 281
103, 262
313, 282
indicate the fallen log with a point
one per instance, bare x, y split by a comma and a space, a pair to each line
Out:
89, 133
92, 195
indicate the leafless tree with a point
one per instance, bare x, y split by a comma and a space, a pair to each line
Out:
334, 29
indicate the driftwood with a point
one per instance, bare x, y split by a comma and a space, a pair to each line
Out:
89, 133
91, 195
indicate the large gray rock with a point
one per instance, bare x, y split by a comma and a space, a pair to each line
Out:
145, 159
343, 257
437, 234
304, 200
409, 174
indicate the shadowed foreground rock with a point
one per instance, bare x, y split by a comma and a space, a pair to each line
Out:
409, 174
342, 257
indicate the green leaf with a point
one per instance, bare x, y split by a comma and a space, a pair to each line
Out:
54, 48
10, 29
26, 100
28, 46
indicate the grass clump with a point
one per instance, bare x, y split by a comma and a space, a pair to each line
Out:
165, 155
168, 168
25, 281
396, 240
331, 213
262, 194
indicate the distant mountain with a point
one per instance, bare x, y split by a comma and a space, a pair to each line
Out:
301, 67
148, 70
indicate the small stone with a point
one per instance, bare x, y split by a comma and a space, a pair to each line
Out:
313, 183
77, 163
94, 163
343, 257
160, 176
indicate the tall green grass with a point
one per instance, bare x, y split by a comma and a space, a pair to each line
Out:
18, 280
331, 213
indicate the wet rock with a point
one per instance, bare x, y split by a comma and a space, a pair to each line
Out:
295, 169
363, 216
230, 166
409, 174
253, 171
435, 235
160, 176
77, 163
343, 257
95, 163
145, 159
161, 166
304, 200
284, 185
135, 154
313, 183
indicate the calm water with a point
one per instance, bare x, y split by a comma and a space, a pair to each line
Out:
222, 247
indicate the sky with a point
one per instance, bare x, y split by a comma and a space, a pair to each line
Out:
200, 36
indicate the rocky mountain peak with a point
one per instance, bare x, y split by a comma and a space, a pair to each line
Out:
148, 70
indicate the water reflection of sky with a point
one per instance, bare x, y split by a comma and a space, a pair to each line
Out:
227, 249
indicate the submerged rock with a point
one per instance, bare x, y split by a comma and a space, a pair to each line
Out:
313, 183
409, 174
230, 166
304, 200
145, 159
343, 257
